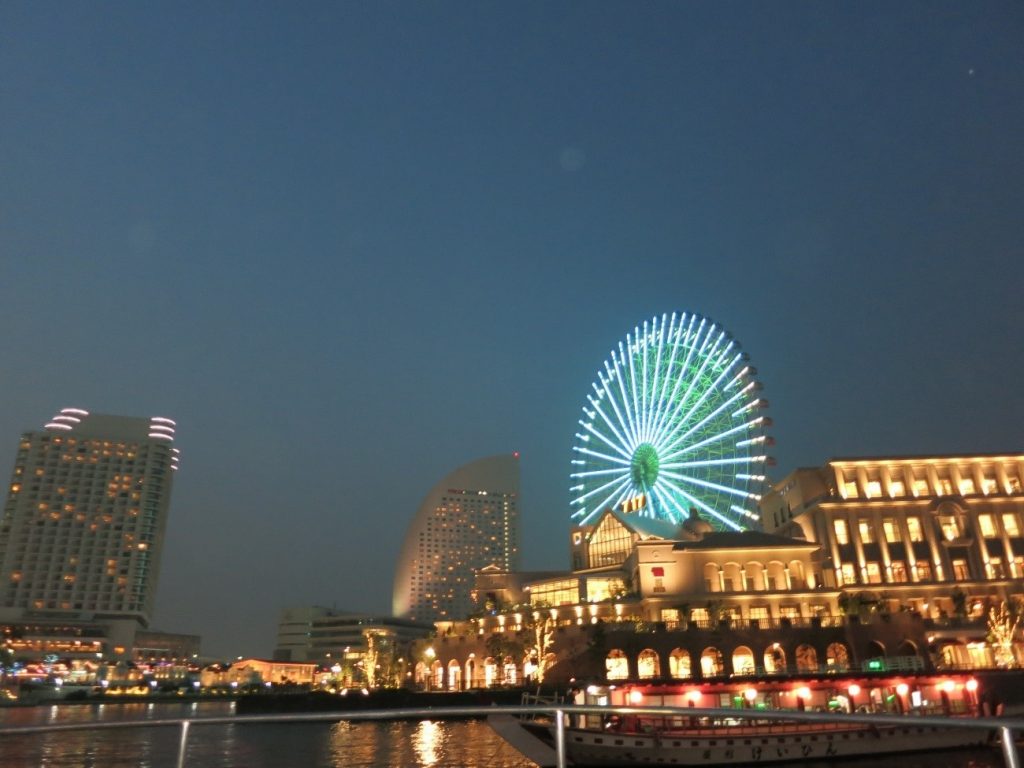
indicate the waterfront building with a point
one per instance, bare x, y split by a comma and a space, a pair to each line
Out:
940, 536
82, 530
327, 636
864, 565
257, 672
469, 520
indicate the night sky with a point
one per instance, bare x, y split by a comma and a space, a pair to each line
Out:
352, 246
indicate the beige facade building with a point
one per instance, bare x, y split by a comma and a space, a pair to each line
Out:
468, 520
864, 564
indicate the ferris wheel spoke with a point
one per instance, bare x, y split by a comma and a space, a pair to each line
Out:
614, 481
677, 440
619, 368
659, 332
689, 342
619, 493
605, 456
713, 486
712, 462
747, 425
636, 412
669, 504
642, 350
592, 430
624, 422
704, 507
624, 442
704, 397
696, 378
598, 472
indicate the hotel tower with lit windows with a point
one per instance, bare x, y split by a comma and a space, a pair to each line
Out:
84, 520
468, 521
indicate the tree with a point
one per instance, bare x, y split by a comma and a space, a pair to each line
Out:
1002, 626
379, 660
541, 628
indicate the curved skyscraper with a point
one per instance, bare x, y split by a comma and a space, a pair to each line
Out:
468, 520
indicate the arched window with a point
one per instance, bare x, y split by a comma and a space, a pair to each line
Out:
776, 576
421, 675
647, 664
437, 675
732, 577
797, 577
454, 676
712, 579
711, 663
679, 664
876, 650
837, 656
615, 665
907, 648
806, 659
743, 661
510, 675
775, 659
490, 672
755, 576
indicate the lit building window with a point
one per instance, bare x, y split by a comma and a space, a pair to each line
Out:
842, 531
874, 489
960, 570
988, 526
873, 573
966, 486
850, 489
950, 525
914, 529
849, 574
899, 571
866, 531
897, 488
891, 529
1011, 524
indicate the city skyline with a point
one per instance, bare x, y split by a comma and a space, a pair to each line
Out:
349, 248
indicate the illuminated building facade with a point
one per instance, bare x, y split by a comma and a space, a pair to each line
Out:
875, 564
83, 523
326, 636
468, 521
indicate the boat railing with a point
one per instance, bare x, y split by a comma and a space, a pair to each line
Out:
1002, 728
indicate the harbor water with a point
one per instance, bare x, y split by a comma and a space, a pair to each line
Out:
431, 744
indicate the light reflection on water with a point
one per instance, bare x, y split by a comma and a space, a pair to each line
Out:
459, 744
464, 744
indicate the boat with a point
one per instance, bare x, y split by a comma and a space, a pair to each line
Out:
634, 733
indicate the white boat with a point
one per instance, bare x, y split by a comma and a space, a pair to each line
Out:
626, 739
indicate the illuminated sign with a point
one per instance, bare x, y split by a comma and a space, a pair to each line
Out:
635, 504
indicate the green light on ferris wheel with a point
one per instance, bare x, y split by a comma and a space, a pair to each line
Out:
673, 417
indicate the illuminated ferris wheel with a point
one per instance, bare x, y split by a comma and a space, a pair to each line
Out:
674, 423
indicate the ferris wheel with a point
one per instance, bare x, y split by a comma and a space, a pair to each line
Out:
674, 423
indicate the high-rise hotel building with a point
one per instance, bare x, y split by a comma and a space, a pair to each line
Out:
84, 519
468, 521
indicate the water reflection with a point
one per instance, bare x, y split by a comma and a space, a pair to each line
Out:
430, 744
426, 742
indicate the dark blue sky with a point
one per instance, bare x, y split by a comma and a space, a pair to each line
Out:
351, 246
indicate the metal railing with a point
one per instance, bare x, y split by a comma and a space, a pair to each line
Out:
1003, 727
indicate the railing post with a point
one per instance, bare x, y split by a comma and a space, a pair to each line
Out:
1010, 757
560, 739
183, 743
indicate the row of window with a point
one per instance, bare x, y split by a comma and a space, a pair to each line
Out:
953, 527
921, 486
